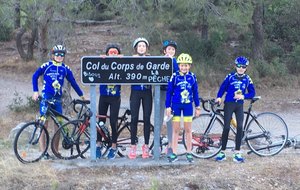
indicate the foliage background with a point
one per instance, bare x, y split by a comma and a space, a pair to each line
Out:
214, 32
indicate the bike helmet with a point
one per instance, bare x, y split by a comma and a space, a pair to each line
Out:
241, 61
167, 43
112, 45
136, 41
58, 49
184, 58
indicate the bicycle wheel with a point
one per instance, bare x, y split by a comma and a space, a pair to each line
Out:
206, 136
164, 144
124, 140
105, 144
266, 134
72, 139
27, 142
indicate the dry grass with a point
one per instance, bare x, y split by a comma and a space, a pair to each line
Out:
279, 172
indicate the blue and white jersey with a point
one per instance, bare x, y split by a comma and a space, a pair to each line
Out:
233, 83
182, 89
110, 90
54, 75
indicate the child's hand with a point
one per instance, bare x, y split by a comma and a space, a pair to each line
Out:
197, 112
238, 96
168, 112
218, 101
35, 96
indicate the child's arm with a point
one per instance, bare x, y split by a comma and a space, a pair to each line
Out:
222, 89
35, 78
71, 79
250, 90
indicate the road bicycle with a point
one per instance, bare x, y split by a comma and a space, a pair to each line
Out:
77, 133
73, 136
27, 143
265, 133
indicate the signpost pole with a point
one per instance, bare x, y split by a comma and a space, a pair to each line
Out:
93, 131
157, 122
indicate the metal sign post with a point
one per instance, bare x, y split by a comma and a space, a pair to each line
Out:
93, 130
126, 70
157, 126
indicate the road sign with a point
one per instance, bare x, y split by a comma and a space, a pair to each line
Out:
126, 70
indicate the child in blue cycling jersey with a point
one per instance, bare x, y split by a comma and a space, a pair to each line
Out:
238, 86
54, 72
182, 92
169, 49
140, 94
110, 97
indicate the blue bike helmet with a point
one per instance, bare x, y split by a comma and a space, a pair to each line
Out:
167, 43
241, 61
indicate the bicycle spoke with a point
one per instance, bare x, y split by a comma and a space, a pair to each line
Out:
267, 135
27, 146
206, 136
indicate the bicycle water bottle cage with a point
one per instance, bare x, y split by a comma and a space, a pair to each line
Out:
128, 112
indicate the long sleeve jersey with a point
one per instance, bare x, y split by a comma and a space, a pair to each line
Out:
110, 90
54, 75
182, 89
233, 83
175, 69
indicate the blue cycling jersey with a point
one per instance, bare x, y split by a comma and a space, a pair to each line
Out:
110, 90
141, 87
54, 75
234, 83
182, 89
175, 69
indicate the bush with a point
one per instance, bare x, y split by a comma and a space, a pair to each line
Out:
293, 62
5, 32
18, 104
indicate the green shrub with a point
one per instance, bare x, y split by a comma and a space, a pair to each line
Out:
18, 104
272, 50
293, 61
5, 32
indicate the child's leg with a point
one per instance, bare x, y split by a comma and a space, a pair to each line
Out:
239, 113
188, 136
169, 133
176, 129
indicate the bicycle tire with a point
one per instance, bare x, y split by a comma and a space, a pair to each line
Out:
124, 138
164, 144
267, 134
27, 145
206, 141
105, 144
72, 140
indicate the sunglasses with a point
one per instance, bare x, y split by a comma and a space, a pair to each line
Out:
59, 54
113, 52
241, 66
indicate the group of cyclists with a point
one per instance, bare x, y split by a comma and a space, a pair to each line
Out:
177, 99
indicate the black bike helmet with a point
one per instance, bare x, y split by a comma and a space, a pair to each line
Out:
112, 45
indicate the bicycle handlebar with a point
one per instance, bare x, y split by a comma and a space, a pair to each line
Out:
83, 104
210, 105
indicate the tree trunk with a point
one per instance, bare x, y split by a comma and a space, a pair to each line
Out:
258, 32
17, 14
20, 48
43, 37
204, 28
26, 55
